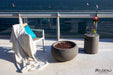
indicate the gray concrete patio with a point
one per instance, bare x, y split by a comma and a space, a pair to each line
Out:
84, 64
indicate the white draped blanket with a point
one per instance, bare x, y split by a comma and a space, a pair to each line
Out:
25, 50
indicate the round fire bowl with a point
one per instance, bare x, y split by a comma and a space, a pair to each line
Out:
64, 50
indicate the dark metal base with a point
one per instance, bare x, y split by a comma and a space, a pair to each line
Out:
91, 43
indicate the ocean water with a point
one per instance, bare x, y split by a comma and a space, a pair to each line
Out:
56, 4
70, 28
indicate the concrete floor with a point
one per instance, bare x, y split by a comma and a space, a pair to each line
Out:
83, 64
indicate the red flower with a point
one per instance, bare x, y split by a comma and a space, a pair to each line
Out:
95, 18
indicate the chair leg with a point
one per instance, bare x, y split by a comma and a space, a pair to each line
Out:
43, 45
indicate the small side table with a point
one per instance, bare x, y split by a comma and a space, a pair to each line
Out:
91, 43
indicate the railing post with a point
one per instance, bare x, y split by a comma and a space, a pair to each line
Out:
58, 27
20, 19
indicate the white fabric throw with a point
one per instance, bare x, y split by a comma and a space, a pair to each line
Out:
25, 50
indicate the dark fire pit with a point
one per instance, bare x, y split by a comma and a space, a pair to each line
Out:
64, 50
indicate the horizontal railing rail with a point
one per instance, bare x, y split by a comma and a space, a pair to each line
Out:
63, 14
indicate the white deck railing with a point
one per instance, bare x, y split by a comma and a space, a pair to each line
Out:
57, 15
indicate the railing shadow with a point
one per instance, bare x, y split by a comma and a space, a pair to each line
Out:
106, 40
6, 55
81, 51
47, 56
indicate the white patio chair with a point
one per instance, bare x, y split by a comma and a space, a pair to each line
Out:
36, 31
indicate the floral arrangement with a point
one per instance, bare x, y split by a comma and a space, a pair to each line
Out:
95, 21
